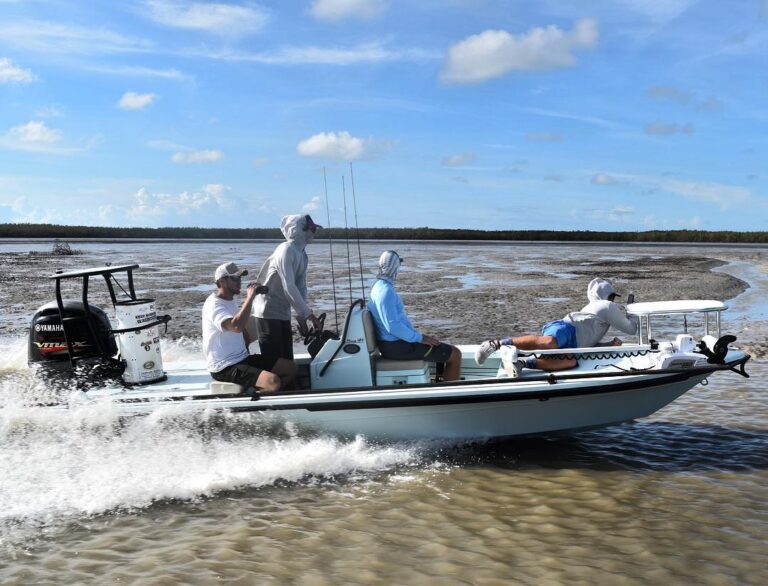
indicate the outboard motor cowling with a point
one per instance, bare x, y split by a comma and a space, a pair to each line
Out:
89, 333
139, 339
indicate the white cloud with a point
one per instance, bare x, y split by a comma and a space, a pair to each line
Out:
19, 209
10, 73
212, 17
342, 146
544, 136
52, 111
494, 53
6, 213
212, 197
669, 93
336, 10
616, 214
134, 101
312, 205
166, 145
32, 136
577, 117
660, 11
668, 129
711, 104
131, 71
603, 179
57, 39
721, 194
458, 160
374, 52
694, 222
726, 196
194, 157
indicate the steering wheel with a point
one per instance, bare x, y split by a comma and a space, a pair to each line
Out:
315, 332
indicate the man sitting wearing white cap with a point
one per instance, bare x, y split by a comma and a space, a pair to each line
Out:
397, 338
225, 340
578, 329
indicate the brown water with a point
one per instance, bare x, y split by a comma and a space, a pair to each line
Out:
681, 497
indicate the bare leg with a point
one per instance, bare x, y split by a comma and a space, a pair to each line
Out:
535, 342
268, 382
552, 364
530, 342
453, 366
286, 370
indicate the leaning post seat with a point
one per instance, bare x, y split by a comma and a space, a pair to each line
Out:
223, 388
391, 372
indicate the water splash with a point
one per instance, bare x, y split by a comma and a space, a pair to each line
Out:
60, 465
13, 354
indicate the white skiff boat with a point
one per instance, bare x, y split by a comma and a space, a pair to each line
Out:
347, 388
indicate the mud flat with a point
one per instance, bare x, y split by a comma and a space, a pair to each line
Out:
459, 292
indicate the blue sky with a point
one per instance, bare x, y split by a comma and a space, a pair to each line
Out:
589, 115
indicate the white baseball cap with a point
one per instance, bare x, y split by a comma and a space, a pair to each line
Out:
229, 269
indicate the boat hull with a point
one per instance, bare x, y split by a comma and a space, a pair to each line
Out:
502, 408
504, 418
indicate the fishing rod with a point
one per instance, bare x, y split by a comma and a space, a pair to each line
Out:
346, 237
357, 232
330, 248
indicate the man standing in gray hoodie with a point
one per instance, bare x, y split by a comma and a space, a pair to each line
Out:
285, 274
578, 329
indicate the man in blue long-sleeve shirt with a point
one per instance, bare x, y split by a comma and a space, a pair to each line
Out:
397, 338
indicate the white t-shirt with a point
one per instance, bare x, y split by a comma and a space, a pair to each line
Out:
222, 348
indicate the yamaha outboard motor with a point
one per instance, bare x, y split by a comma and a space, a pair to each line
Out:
90, 335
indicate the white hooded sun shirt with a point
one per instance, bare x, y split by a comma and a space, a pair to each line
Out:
389, 265
285, 273
596, 318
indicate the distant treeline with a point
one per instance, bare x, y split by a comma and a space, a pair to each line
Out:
56, 231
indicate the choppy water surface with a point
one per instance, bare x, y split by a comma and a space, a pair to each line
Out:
681, 497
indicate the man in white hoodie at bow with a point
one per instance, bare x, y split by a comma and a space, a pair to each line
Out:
285, 274
578, 329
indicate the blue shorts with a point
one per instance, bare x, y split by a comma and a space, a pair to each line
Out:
562, 331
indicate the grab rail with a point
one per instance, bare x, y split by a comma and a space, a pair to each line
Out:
162, 320
343, 337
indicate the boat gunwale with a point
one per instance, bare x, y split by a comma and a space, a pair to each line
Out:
377, 397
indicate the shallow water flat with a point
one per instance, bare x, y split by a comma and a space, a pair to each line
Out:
681, 497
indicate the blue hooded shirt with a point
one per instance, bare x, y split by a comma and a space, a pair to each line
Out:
388, 314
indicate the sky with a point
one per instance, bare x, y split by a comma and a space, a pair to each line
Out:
618, 115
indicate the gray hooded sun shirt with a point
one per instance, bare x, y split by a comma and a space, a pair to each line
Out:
285, 273
595, 319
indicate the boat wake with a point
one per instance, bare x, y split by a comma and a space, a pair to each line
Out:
60, 466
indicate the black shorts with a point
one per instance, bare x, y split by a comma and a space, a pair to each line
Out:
402, 350
247, 372
275, 337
